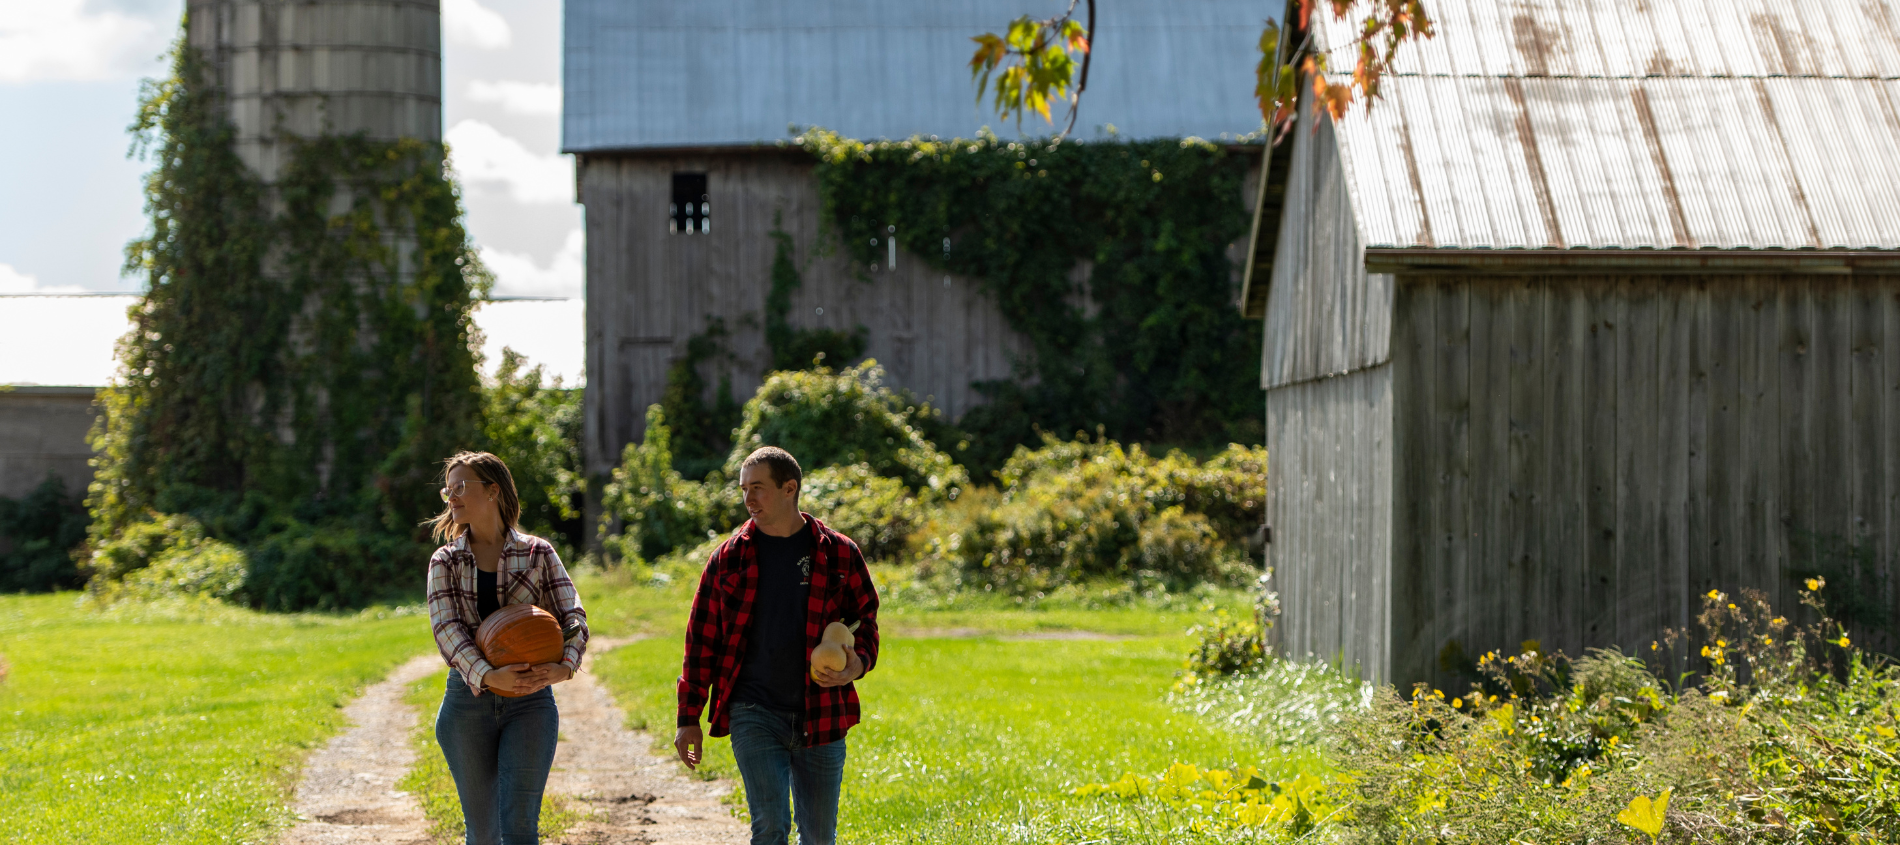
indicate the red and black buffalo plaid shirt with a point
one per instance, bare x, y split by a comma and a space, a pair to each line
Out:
841, 590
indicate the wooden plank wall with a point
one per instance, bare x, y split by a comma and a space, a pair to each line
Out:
1329, 500
649, 291
1579, 459
1325, 314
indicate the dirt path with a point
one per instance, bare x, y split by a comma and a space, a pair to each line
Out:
636, 796
348, 794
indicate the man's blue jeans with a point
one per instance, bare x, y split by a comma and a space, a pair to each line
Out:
774, 762
499, 750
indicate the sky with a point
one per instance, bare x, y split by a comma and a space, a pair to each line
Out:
70, 198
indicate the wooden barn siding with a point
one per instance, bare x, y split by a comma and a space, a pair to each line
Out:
1579, 459
1329, 500
1325, 314
649, 291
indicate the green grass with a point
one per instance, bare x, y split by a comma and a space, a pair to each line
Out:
176, 723
981, 739
434, 786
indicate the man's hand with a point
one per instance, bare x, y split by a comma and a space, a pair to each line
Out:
688, 742
853, 669
519, 679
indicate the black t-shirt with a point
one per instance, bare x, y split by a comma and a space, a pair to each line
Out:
772, 674
487, 598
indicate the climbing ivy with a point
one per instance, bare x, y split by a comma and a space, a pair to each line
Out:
700, 434
1148, 347
301, 360
795, 348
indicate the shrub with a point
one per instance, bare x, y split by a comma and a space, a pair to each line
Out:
333, 566
1227, 647
42, 529
1081, 510
165, 557
209, 568
658, 510
536, 430
826, 418
876, 512
1789, 736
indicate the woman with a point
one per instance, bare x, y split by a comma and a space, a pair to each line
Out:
499, 749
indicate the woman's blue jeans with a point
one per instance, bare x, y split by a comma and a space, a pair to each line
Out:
774, 762
499, 750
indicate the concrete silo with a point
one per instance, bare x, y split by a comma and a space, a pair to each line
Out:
322, 67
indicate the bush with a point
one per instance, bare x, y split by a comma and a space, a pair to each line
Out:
658, 510
878, 513
1228, 647
536, 430
826, 418
1081, 510
166, 557
209, 568
303, 566
41, 532
1789, 736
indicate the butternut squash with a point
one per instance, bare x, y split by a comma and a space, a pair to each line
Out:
830, 653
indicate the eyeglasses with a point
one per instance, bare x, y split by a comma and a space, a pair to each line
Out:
459, 488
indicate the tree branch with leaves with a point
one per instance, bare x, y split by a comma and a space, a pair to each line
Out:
1038, 61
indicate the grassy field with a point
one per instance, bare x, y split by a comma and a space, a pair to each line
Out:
177, 725
187, 723
980, 737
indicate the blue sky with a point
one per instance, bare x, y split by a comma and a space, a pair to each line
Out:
70, 198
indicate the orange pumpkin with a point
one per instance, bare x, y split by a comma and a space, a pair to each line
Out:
519, 633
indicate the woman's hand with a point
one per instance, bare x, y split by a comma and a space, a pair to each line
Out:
519, 679
551, 674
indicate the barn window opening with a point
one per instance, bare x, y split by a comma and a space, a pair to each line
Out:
691, 210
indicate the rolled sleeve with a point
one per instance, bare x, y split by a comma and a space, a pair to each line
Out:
452, 636
558, 587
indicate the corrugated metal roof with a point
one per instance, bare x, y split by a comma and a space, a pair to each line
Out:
646, 74
1634, 124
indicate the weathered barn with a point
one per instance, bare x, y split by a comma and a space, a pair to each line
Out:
678, 114
1596, 311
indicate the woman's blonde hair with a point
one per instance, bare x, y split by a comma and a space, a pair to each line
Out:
490, 470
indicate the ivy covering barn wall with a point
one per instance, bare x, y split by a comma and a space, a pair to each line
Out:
1147, 347
301, 361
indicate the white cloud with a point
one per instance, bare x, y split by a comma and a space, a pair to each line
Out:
480, 153
47, 40
528, 98
14, 281
517, 274
469, 22
548, 333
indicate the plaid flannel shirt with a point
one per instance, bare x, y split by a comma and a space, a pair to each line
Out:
841, 590
529, 573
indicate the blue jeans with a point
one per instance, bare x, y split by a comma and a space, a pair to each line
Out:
773, 761
499, 750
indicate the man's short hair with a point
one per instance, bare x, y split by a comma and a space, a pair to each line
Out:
780, 463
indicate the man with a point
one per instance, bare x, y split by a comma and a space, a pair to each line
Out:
763, 603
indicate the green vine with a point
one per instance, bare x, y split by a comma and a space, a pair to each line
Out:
795, 348
700, 434
1151, 219
292, 379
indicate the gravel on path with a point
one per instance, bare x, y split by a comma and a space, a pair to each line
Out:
630, 795
348, 795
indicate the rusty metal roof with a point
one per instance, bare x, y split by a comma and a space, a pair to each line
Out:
1628, 124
